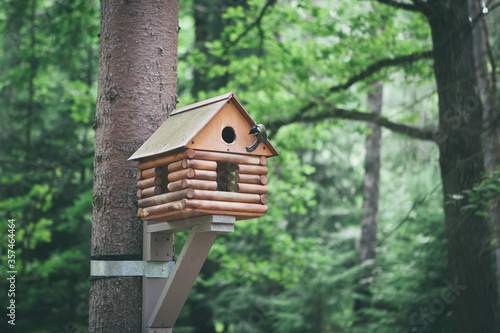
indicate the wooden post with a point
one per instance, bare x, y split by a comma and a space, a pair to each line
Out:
166, 298
156, 247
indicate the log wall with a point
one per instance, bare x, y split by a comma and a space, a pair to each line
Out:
194, 183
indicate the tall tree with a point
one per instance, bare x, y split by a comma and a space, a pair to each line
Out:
371, 187
462, 164
488, 94
136, 91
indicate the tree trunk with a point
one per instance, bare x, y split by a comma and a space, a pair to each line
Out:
371, 187
137, 90
488, 93
475, 308
372, 177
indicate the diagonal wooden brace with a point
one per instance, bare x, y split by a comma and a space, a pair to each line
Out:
163, 299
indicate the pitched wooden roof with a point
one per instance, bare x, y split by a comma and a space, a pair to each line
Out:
185, 123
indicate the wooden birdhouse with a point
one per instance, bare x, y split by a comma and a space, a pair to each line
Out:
197, 164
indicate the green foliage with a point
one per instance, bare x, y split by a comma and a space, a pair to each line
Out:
48, 91
481, 195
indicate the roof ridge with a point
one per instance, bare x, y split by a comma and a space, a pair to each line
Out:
203, 103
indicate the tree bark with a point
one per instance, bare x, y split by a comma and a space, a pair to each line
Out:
461, 159
136, 91
488, 93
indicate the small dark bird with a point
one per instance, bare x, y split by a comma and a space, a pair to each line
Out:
261, 134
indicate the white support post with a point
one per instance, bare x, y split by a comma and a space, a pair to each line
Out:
163, 299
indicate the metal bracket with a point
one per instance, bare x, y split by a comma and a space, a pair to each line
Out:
150, 269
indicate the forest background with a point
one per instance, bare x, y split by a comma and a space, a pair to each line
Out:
302, 267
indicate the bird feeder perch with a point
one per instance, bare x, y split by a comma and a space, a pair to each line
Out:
196, 173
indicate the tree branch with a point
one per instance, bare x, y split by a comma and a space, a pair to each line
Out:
426, 134
373, 68
400, 5
411, 131
253, 24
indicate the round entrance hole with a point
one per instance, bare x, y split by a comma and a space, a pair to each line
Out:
228, 134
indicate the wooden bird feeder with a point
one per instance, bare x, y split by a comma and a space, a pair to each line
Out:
194, 174
196, 164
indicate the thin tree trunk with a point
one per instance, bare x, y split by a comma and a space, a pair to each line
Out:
371, 179
488, 93
371, 187
475, 307
136, 91
31, 78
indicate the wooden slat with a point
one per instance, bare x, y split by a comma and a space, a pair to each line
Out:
193, 164
226, 157
251, 179
205, 175
226, 196
151, 172
151, 191
191, 173
192, 183
181, 174
149, 182
164, 160
226, 206
251, 188
164, 208
166, 197
252, 169
182, 215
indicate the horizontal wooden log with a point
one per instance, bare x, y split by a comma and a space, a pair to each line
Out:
227, 196
151, 172
187, 213
139, 193
149, 182
193, 164
226, 206
251, 188
139, 174
166, 197
161, 209
205, 175
191, 173
264, 198
252, 169
164, 160
251, 179
226, 157
181, 174
192, 183
151, 191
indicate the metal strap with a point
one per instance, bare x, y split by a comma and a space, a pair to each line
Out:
150, 269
